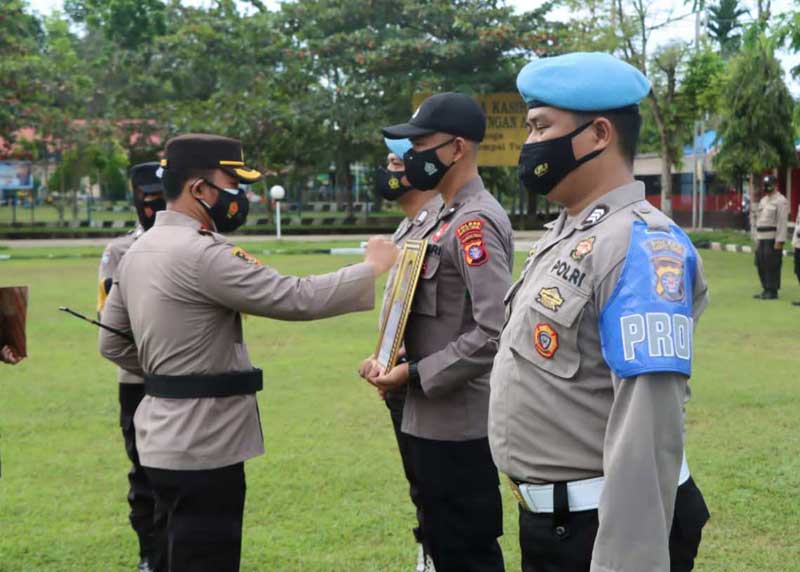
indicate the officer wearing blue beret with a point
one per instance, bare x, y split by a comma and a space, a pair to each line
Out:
591, 375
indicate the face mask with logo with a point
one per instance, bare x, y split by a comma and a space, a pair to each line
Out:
146, 211
542, 165
424, 170
230, 210
390, 184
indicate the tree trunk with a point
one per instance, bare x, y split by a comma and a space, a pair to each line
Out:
666, 176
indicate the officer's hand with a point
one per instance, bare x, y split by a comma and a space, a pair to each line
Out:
369, 368
7, 355
381, 254
396, 378
778, 246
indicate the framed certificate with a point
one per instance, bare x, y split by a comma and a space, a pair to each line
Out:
13, 311
398, 304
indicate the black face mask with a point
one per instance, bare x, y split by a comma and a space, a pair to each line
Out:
424, 170
146, 210
389, 184
230, 210
544, 164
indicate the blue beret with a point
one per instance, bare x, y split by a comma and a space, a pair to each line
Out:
582, 81
398, 146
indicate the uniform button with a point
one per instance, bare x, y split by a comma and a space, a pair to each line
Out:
561, 531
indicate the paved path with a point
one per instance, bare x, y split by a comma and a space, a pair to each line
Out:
522, 240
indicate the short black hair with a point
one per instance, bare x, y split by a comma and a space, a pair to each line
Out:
173, 180
626, 121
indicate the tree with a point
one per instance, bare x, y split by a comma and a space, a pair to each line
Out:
725, 25
756, 117
20, 41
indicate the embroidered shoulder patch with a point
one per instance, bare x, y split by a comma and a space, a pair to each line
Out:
545, 340
583, 248
470, 229
475, 253
239, 252
597, 213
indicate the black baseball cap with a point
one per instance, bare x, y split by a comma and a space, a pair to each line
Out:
203, 151
450, 112
144, 176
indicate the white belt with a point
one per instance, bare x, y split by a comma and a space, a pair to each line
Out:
582, 495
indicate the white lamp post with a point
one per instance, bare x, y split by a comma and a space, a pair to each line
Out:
277, 194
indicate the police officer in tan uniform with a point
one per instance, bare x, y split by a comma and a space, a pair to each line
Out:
772, 221
148, 198
181, 290
450, 338
796, 246
421, 209
590, 378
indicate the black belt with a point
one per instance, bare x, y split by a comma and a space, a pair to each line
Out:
766, 228
214, 385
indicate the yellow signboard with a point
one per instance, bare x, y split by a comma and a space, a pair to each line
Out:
505, 128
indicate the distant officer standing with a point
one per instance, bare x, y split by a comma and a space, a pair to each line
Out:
148, 198
771, 226
180, 290
590, 379
796, 246
421, 209
451, 335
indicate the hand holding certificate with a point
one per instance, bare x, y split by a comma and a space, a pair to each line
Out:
13, 311
399, 303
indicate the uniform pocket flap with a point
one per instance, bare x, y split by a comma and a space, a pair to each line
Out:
559, 303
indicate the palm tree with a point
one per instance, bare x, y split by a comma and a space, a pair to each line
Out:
724, 25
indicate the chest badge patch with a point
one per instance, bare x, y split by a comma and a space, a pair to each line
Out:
239, 252
437, 236
545, 340
583, 248
550, 298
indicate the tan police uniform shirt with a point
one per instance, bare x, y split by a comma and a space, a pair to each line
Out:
181, 291
457, 316
560, 414
772, 221
112, 256
410, 229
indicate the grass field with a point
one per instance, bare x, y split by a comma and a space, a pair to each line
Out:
329, 494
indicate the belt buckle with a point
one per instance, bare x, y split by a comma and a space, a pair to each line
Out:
517, 493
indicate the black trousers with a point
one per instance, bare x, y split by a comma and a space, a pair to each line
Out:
144, 513
203, 520
768, 263
797, 263
543, 550
460, 498
395, 401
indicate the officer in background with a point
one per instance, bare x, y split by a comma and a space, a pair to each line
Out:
180, 290
421, 209
148, 198
771, 226
450, 337
590, 378
796, 246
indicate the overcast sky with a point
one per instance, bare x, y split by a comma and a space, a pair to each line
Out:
683, 29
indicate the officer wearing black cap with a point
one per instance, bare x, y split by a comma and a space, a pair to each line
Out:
772, 223
148, 198
591, 375
450, 338
180, 291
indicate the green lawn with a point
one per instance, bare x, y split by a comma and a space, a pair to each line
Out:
329, 495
